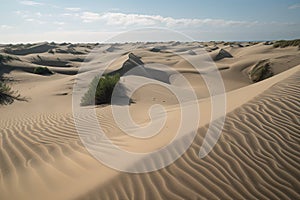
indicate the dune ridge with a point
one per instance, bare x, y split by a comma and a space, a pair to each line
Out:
255, 158
247, 162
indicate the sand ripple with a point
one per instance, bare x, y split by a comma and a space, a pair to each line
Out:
257, 157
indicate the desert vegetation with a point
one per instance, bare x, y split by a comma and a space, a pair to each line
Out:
100, 90
42, 71
4, 58
7, 95
287, 43
262, 70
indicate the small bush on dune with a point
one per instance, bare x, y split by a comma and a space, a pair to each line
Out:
7, 96
100, 90
286, 43
262, 70
42, 71
4, 58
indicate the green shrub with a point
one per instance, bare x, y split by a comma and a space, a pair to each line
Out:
286, 43
4, 58
7, 96
262, 70
42, 71
100, 90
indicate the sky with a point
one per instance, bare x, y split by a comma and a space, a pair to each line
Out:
24, 21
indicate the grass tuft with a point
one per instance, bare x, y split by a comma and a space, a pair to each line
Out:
100, 90
42, 71
287, 43
4, 58
7, 95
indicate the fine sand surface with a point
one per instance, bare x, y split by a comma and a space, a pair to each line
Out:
256, 157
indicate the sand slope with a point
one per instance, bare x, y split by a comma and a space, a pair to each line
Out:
257, 156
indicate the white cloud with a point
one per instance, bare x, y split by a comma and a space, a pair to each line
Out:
121, 19
73, 9
23, 14
38, 14
36, 17
5, 27
295, 6
28, 14
130, 19
90, 16
18, 12
115, 9
35, 21
59, 23
31, 3
67, 14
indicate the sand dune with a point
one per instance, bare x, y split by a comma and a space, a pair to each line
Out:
222, 54
30, 49
256, 157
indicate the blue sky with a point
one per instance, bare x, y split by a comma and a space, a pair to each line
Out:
95, 21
